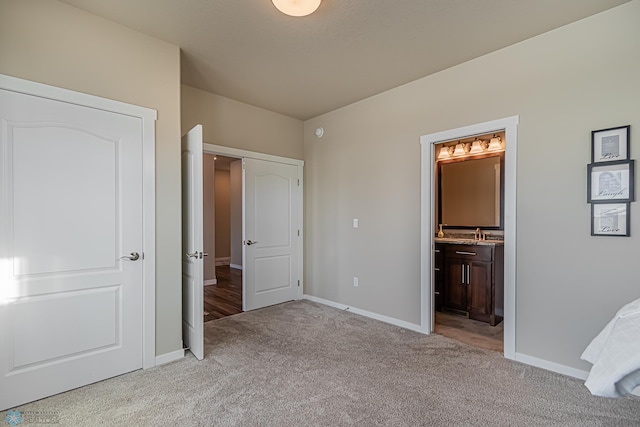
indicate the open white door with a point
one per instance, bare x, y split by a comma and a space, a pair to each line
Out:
71, 246
271, 233
192, 243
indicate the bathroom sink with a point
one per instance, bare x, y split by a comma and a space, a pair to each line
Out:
463, 241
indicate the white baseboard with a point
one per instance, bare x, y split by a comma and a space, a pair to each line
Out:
386, 319
560, 369
551, 366
223, 260
519, 357
169, 357
210, 282
236, 266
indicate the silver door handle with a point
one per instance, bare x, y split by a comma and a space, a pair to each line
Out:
198, 255
468, 275
462, 267
251, 242
133, 257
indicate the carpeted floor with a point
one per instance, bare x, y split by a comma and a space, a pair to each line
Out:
305, 364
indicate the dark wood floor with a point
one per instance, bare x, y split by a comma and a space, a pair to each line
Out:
224, 298
469, 331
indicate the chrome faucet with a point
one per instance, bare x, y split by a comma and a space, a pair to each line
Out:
478, 235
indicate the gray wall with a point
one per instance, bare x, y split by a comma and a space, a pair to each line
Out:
563, 85
50, 42
238, 125
223, 212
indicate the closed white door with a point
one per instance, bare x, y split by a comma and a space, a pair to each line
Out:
192, 243
271, 233
70, 246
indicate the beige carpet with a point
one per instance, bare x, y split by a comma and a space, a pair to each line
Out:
305, 364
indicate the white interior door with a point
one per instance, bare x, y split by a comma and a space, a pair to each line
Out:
192, 243
271, 233
70, 246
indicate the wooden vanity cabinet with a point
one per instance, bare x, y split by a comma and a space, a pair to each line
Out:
473, 281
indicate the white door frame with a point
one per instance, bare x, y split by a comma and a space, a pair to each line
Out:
148, 118
427, 218
236, 152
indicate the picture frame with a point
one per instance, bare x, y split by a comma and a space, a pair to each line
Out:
610, 182
610, 145
610, 219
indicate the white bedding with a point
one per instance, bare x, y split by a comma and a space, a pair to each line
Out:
615, 353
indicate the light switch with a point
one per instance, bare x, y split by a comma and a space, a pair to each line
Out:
355, 222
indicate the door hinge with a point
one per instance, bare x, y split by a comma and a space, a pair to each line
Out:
298, 283
142, 255
298, 233
298, 183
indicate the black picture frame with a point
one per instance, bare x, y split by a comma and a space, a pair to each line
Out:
610, 182
610, 219
610, 145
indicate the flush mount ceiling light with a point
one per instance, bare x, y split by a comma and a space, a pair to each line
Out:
296, 7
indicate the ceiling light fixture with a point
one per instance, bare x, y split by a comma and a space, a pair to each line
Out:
296, 7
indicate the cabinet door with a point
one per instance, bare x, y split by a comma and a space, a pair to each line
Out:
456, 290
479, 290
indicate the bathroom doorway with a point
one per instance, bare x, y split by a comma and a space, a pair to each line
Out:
469, 253
432, 320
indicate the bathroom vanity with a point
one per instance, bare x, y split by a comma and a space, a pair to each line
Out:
469, 278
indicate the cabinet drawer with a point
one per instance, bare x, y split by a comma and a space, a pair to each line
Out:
469, 252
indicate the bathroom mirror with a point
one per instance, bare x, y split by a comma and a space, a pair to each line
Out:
470, 192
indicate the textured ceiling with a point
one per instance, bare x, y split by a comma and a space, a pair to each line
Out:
346, 51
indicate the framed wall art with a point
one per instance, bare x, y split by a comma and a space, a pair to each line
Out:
610, 219
610, 182
610, 145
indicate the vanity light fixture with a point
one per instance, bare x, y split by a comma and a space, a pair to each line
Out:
495, 144
297, 7
446, 152
478, 146
459, 151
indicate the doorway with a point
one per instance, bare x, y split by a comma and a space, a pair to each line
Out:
265, 227
469, 306
272, 235
428, 232
222, 201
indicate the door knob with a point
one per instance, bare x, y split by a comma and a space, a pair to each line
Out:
133, 257
251, 242
197, 254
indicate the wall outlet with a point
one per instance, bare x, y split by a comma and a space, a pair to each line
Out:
355, 222
355, 281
